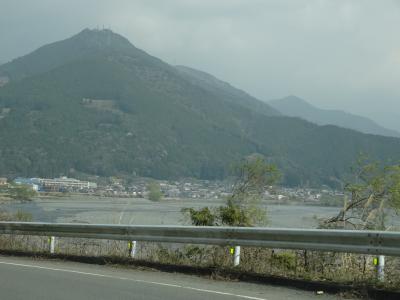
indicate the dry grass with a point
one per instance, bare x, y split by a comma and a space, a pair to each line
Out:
346, 268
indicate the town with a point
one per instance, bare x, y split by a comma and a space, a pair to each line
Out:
188, 188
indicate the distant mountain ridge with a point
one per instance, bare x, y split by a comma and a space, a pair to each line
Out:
96, 104
296, 107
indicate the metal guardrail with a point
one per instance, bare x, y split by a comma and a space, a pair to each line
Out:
365, 242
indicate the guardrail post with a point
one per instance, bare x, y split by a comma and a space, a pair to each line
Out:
132, 249
236, 256
380, 268
52, 244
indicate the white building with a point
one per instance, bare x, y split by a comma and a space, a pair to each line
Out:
65, 182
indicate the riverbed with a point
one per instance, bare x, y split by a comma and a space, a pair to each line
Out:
107, 210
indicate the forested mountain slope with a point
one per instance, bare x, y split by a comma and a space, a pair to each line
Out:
101, 106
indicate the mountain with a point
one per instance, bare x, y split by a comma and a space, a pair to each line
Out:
214, 85
94, 103
297, 107
92, 44
85, 44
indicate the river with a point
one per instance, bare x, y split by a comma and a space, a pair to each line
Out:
91, 209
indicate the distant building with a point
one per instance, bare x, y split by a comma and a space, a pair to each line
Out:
56, 184
3, 181
280, 197
66, 183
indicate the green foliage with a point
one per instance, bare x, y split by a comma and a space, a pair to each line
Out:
154, 190
243, 207
234, 215
285, 260
254, 175
201, 217
373, 192
21, 192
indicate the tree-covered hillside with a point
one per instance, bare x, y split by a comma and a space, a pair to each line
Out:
96, 104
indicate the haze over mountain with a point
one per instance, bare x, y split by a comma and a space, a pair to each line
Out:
300, 49
296, 107
96, 104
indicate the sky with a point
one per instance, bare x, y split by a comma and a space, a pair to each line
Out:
336, 54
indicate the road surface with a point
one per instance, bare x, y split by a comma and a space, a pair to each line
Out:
27, 278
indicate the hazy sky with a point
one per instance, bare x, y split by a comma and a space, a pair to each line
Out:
333, 53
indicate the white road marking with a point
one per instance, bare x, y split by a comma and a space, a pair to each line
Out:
134, 280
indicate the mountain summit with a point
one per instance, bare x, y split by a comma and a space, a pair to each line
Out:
84, 45
96, 104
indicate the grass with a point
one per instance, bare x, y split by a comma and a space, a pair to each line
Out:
340, 268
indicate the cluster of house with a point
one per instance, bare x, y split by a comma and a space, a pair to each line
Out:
196, 189
306, 194
186, 188
62, 184
118, 188
205, 189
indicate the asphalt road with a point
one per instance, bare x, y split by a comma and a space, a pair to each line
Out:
26, 278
